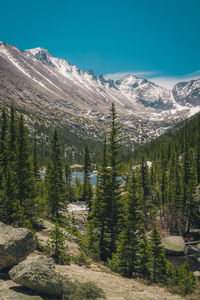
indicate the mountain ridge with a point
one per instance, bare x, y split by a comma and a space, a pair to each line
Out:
62, 94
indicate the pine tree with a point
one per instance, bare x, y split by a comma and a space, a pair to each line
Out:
114, 182
57, 246
87, 188
3, 145
18, 216
9, 195
126, 260
175, 195
8, 174
105, 211
145, 257
99, 209
24, 172
163, 170
192, 199
187, 168
12, 147
145, 188
159, 261
35, 160
68, 178
55, 178
198, 159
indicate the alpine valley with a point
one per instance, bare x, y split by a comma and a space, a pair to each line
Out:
50, 91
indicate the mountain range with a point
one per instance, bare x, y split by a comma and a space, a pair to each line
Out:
50, 90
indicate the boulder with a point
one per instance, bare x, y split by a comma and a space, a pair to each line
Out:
196, 274
15, 245
198, 246
174, 245
38, 274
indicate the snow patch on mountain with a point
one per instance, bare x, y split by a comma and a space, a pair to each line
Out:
145, 109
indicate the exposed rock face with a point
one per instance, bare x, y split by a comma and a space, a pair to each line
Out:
15, 245
59, 94
174, 245
187, 92
38, 274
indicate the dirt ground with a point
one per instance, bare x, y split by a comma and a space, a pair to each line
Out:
115, 286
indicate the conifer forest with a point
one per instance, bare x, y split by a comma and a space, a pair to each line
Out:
137, 197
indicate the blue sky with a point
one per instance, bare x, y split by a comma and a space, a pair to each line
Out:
157, 39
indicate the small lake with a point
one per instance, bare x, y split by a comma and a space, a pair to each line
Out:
93, 177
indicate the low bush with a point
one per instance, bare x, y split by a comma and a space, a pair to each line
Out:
81, 259
82, 291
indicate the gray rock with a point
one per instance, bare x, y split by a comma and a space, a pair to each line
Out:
174, 245
196, 274
38, 274
192, 250
15, 245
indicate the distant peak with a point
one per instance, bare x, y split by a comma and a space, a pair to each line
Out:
128, 79
37, 50
41, 54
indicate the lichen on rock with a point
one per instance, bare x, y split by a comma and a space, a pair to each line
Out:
15, 245
38, 274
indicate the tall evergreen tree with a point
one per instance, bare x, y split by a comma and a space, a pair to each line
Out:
193, 205
87, 188
145, 257
55, 178
57, 246
198, 159
24, 171
159, 261
99, 210
115, 182
35, 160
145, 187
68, 178
127, 257
9, 191
3, 145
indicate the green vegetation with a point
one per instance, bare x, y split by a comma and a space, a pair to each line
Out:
56, 246
55, 178
87, 187
160, 191
82, 291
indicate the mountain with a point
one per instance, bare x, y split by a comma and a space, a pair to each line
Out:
187, 93
51, 91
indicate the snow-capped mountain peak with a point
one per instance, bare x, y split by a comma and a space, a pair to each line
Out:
57, 90
38, 50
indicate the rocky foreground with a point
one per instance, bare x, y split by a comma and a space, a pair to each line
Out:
35, 277
114, 286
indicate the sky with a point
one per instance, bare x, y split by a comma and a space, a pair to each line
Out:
155, 39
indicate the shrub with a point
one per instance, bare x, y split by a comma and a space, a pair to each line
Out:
82, 291
186, 279
57, 248
81, 259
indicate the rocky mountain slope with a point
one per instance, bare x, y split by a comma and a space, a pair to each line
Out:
50, 91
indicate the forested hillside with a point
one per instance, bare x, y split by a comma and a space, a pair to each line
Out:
175, 174
131, 202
